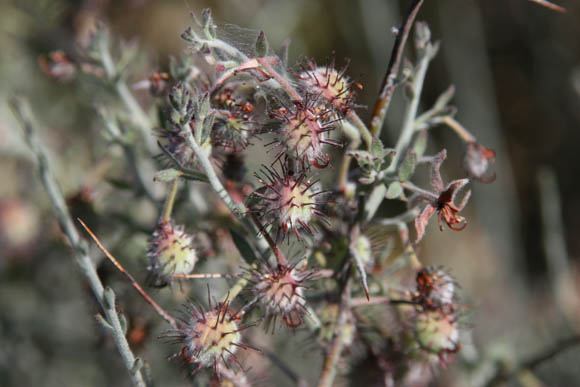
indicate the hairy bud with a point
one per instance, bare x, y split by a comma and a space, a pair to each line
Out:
170, 252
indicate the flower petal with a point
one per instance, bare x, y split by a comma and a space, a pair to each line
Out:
436, 180
422, 220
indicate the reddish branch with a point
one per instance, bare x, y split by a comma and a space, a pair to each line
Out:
389, 82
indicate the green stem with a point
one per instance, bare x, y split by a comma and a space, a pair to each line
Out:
214, 181
79, 246
237, 210
338, 342
411, 111
169, 203
136, 113
364, 131
459, 129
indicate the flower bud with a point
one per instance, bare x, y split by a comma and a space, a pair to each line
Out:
436, 330
332, 86
170, 253
477, 160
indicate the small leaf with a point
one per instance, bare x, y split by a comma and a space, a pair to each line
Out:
189, 35
420, 144
123, 322
394, 191
120, 184
262, 45
374, 200
102, 322
408, 166
444, 98
147, 376
207, 126
369, 177
389, 154
167, 175
194, 176
108, 298
207, 23
204, 106
244, 247
364, 159
377, 148
137, 365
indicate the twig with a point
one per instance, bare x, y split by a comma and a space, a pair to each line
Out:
136, 113
549, 5
237, 210
204, 276
357, 302
212, 177
459, 129
285, 368
409, 249
554, 243
166, 316
280, 79
389, 82
79, 246
338, 342
413, 105
355, 120
405, 217
280, 258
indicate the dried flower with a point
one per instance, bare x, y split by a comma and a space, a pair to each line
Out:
435, 288
170, 252
477, 160
442, 200
58, 65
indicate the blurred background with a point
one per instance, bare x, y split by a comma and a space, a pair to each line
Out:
516, 69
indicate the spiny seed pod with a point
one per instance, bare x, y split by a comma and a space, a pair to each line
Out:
304, 133
280, 291
437, 331
287, 201
435, 288
332, 85
477, 160
209, 338
170, 252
